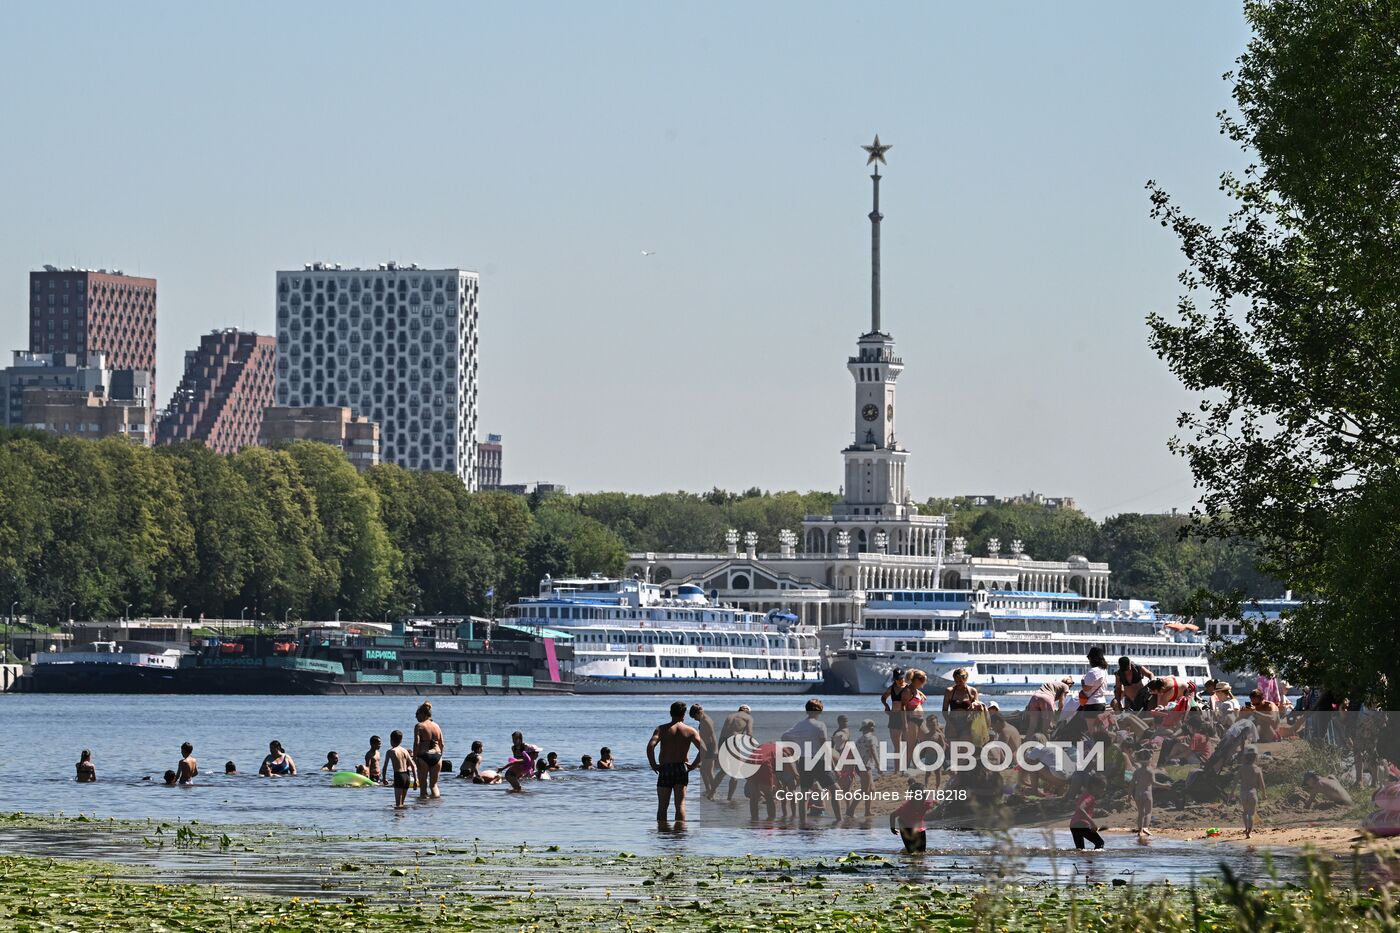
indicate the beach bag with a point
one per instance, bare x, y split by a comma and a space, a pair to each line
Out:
979, 732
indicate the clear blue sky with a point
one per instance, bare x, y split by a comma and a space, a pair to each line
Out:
547, 145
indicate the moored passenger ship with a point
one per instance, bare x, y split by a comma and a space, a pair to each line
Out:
1009, 641
631, 636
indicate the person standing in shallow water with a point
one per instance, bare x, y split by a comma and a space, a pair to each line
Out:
372, 759
427, 751
709, 761
188, 768
401, 763
673, 740
87, 771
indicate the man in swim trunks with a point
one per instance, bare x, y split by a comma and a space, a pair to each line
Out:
709, 761
674, 739
188, 768
427, 751
401, 763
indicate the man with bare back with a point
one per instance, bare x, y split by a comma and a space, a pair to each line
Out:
675, 739
188, 767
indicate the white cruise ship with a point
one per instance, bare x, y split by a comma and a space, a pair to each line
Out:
1010, 641
635, 637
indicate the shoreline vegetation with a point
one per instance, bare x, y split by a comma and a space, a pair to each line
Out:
208, 878
102, 529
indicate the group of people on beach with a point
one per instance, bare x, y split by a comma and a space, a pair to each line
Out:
1134, 723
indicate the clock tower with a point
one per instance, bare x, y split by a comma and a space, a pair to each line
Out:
875, 463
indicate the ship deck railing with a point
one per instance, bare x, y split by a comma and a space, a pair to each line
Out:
752, 628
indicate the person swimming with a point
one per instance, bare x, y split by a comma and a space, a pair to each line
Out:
170, 778
87, 771
332, 761
277, 763
586, 763
230, 768
605, 759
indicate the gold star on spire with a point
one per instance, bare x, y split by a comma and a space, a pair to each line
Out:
877, 151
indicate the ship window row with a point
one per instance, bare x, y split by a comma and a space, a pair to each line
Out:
716, 662
1054, 670
592, 613
1075, 649
662, 637
902, 597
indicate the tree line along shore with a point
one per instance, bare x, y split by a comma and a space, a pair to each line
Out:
88, 528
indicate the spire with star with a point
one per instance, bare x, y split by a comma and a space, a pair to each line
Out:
875, 155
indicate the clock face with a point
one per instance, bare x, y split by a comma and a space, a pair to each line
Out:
870, 412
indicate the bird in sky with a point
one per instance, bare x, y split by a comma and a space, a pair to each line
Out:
648, 252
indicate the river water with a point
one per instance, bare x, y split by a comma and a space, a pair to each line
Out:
134, 739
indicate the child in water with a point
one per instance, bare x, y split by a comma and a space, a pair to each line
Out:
1144, 779
1251, 787
372, 759
1082, 826
908, 821
605, 759
401, 763
586, 763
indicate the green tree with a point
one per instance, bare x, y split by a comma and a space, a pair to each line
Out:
1288, 329
26, 521
283, 535
150, 532
593, 548
353, 548
503, 522
546, 553
222, 515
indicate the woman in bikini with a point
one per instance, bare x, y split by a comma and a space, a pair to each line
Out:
427, 751
893, 701
913, 706
957, 707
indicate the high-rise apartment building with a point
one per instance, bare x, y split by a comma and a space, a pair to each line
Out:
228, 383
397, 344
94, 311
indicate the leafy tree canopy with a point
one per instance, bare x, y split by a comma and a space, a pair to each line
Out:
1289, 331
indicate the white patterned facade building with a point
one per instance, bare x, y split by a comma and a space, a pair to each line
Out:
397, 344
